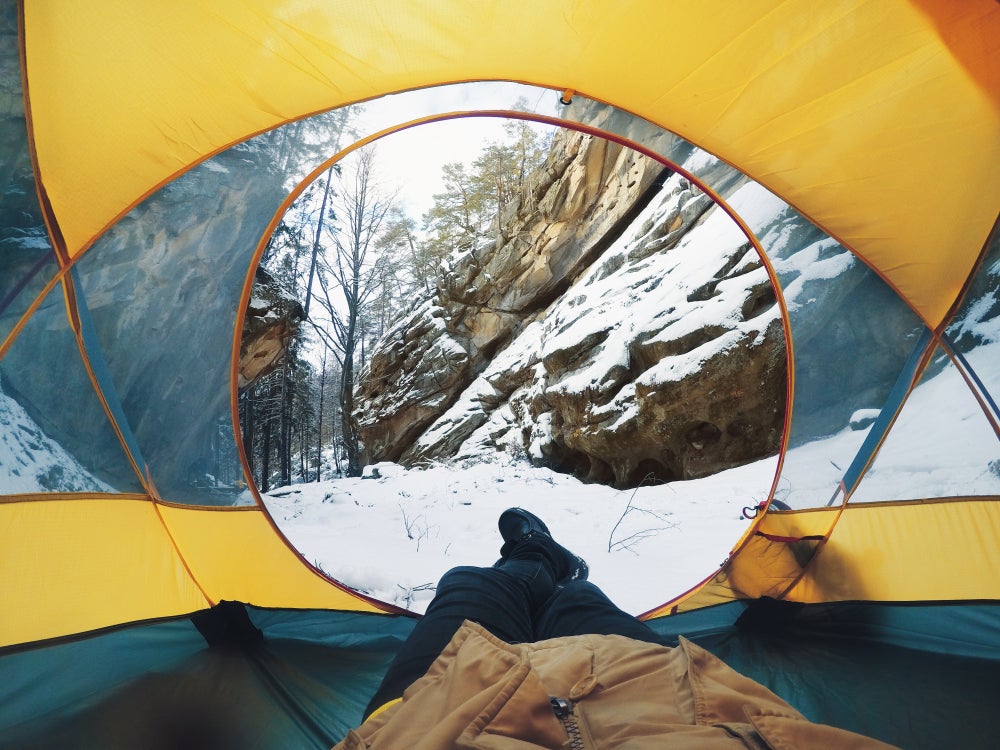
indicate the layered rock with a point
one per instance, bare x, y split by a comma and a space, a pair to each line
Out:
617, 328
664, 362
271, 320
581, 198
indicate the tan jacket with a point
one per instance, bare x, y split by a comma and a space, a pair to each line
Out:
613, 692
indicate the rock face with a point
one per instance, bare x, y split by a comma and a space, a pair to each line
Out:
617, 328
272, 318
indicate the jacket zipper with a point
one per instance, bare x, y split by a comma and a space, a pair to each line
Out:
564, 712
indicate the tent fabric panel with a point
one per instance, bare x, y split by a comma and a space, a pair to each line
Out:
73, 565
966, 629
847, 356
915, 675
173, 375
238, 555
888, 413
942, 443
102, 377
42, 686
912, 552
933, 550
311, 677
27, 261
767, 563
917, 699
860, 143
761, 567
304, 686
57, 429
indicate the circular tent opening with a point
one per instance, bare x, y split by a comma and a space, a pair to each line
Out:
562, 323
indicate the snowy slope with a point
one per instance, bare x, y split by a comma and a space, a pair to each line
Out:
393, 536
34, 463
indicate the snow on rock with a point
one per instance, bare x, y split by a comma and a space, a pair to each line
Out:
584, 322
32, 462
272, 317
863, 418
632, 323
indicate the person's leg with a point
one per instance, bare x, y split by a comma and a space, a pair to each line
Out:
502, 600
581, 608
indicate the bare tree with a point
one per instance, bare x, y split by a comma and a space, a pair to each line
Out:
349, 275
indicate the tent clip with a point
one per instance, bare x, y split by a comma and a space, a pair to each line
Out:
567, 97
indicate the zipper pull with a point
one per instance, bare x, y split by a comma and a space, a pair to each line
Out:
564, 712
561, 706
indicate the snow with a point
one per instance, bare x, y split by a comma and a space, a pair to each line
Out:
27, 240
675, 369
810, 265
635, 293
941, 445
394, 536
977, 320
863, 418
33, 462
445, 347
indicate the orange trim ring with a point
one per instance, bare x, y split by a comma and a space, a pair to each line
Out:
558, 122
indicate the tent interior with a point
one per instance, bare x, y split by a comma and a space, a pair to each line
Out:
144, 609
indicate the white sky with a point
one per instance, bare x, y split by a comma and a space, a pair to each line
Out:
412, 159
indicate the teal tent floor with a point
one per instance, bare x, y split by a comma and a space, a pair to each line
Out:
916, 676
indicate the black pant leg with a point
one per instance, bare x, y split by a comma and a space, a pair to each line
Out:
502, 600
581, 608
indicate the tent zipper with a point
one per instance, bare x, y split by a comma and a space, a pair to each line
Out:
564, 712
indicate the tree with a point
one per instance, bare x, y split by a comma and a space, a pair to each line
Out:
355, 263
462, 215
271, 427
320, 397
349, 275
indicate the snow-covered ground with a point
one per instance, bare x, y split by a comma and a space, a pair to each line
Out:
394, 535
30, 461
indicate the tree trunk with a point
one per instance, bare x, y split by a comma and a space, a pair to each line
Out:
350, 437
316, 240
248, 423
335, 442
319, 421
284, 426
303, 456
265, 461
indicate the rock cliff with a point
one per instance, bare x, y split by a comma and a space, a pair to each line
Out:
271, 320
618, 327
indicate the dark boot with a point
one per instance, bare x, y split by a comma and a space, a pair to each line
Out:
526, 535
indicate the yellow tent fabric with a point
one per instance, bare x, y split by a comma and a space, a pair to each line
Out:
109, 560
934, 550
879, 120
